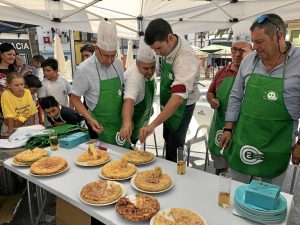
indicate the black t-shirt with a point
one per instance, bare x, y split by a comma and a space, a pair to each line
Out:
68, 116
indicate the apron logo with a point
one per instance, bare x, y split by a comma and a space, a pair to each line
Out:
170, 76
251, 155
271, 96
218, 137
119, 92
119, 139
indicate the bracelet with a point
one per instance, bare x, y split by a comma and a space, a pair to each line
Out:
227, 129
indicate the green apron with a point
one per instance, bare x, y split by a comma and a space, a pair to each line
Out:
108, 110
167, 78
218, 121
142, 111
262, 140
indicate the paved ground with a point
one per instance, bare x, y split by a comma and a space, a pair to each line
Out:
203, 113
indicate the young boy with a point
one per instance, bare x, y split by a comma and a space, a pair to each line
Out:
53, 84
58, 114
33, 83
37, 64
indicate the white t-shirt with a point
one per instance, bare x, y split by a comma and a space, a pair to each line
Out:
135, 84
59, 89
39, 73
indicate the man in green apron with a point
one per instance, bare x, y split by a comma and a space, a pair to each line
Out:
100, 80
178, 87
264, 103
219, 90
139, 92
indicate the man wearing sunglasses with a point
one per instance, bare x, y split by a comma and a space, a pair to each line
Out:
265, 104
219, 90
100, 80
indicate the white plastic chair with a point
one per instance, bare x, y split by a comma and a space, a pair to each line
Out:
198, 130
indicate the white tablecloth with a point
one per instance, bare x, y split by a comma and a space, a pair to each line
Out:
196, 190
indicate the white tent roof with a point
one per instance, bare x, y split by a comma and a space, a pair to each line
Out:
132, 16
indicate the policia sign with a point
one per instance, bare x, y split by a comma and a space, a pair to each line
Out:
22, 46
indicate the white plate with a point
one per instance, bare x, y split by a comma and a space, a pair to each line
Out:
49, 175
116, 179
153, 159
122, 195
168, 210
19, 165
132, 181
88, 165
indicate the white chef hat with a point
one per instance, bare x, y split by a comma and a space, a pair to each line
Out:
145, 53
241, 31
107, 36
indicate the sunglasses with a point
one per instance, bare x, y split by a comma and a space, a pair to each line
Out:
264, 18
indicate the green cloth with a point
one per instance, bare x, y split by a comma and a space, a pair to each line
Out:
42, 140
218, 121
262, 140
167, 78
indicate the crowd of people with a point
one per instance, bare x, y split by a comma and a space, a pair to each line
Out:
256, 98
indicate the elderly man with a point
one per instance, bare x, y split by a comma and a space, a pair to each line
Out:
139, 92
219, 90
265, 102
100, 79
178, 88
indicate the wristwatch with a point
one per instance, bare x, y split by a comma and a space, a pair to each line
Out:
227, 129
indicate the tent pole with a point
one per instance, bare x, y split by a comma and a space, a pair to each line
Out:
72, 47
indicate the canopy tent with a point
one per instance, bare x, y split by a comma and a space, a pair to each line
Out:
133, 16
59, 54
198, 51
213, 48
216, 49
11, 26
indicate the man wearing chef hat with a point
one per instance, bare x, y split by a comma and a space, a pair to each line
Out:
100, 79
219, 90
264, 106
139, 92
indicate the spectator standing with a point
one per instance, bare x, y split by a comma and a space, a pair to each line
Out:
53, 84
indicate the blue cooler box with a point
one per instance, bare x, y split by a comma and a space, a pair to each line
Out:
73, 140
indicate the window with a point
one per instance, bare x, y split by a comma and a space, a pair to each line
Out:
295, 37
